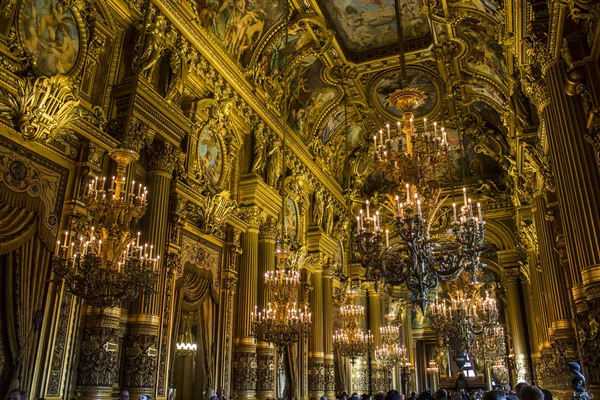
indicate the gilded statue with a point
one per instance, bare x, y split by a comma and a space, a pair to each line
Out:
577, 382
318, 208
275, 158
259, 150
178, 71
154, 45
329, 217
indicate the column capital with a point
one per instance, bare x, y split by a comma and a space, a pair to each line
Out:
253, 216
511, 276
162, 157
269, 229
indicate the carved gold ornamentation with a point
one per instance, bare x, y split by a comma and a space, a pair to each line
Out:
213, 211
42, 108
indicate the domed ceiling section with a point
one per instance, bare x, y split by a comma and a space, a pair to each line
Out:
367, 29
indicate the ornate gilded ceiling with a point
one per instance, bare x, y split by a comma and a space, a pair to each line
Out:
333, 68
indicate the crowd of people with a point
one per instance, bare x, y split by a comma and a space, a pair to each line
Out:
522, 391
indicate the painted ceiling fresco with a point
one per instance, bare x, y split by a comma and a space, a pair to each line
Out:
365, 25
308, 95
486, 55
238, 25
383, 85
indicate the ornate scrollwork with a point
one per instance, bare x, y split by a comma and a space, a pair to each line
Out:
42, 107
245, 365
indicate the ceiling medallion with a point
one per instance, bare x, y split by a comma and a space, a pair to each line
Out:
407, 99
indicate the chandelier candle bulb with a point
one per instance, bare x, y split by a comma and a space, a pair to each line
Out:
479, 212
387, 238
470, 209
398, 204
454, 211
425, 124
407, 194
388, 132
368, 214
418, 208
465, 195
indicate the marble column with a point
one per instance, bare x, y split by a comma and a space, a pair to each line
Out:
265, 352
244, 362
516, 323
98, 364
328, 359
316, 370
142, 344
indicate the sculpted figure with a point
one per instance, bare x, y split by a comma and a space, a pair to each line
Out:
318, 208
178, 74
275, 159
259, 152
577, 382
154, 45
329, 217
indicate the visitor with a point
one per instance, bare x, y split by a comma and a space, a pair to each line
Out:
440, 394
413, 396
379, 396
456, 396
494, 395
323, 398
16, 394
528, 392
547, 394
221, 394
355, 396
392, 395
518, 388
124, 395
212, 395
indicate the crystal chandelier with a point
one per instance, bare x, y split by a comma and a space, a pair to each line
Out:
108, 264
282, 323
415, 259
351, 341
186, 346
432, 368
490, 346
465, 316
390, 353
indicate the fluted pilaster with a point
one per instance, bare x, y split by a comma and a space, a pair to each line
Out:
516, 325
576, 173
145, 312
328, 361
316, 371
265, 354
245, 362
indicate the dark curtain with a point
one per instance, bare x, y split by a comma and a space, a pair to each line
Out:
24, 273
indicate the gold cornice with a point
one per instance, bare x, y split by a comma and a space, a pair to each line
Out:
252, 190
209, 238
233, 75
317, 240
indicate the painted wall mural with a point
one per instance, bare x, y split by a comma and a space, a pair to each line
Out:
385, 84
308, 95
485, 55
364, 25
485, 91
239, 24
332, 124
341, 148
487, 113
210, 156
49, 32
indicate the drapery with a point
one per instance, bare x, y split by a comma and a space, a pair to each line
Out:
291, 372
24, 273
194, 295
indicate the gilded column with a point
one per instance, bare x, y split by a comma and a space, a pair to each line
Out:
328, 359
142, 344
265, 353
98, 364
316, 372
516, 323
244, 362
379, 377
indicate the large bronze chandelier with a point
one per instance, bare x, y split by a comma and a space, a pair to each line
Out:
108, 264
413, 257
352, 342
